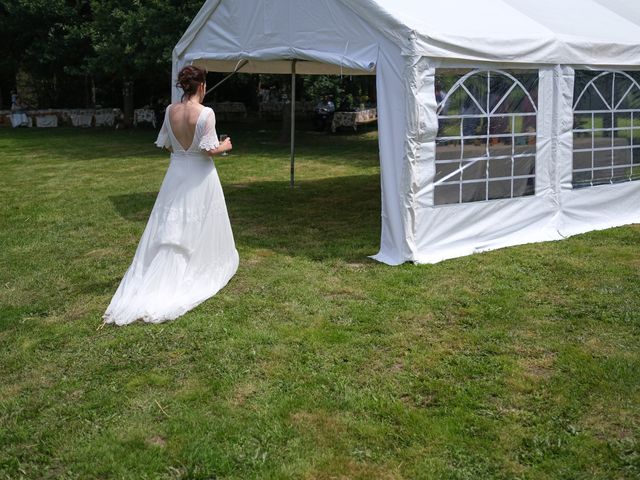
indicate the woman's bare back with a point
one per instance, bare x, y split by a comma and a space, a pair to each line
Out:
183, 118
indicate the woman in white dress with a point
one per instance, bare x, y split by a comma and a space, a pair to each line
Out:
187, 252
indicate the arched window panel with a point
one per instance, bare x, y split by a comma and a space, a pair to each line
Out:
606, 128
486, 141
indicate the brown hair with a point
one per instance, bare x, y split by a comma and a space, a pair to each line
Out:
189, 79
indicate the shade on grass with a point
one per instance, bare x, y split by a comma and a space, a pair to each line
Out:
314, 362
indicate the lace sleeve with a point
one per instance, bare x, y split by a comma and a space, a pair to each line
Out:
209, 139
163, 140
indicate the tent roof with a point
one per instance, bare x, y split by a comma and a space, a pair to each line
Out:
598, 32
575, 32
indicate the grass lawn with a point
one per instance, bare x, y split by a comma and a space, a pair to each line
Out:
314, 362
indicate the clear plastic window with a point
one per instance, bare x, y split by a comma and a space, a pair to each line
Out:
606, 127
486, 142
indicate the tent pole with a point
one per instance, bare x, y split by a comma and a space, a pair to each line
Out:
293, 121
240, 64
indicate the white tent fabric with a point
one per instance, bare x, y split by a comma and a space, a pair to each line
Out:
406, 43
595, 32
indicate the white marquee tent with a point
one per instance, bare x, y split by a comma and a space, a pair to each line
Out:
501, 122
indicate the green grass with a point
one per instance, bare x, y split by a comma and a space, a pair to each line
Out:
314, 362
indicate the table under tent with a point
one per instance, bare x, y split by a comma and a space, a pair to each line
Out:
501, 122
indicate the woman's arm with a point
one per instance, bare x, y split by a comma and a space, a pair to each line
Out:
209, 142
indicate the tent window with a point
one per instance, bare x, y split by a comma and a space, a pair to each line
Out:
486, 141
606, 128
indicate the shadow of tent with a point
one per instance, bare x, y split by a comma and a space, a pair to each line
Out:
336, 217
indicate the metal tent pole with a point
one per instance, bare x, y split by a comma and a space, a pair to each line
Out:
239, 66
293, 121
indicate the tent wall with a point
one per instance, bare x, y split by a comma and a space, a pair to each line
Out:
449, 231
393, 102
557, 210
591, 208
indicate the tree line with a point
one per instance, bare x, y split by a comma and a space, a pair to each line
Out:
83, 53
77, 53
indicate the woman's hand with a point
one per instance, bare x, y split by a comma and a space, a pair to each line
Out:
224, 146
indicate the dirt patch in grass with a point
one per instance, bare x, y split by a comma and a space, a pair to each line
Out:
156, 441
349, 469
101, 252
607, 346
419, 400
538, 368
611, 424
81, 309
344, 292
326, 429
257, 256
242, 393
10, 391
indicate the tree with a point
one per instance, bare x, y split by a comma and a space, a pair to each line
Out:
68, 46
36, 40
133, 40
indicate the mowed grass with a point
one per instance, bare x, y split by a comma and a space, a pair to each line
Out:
314, 362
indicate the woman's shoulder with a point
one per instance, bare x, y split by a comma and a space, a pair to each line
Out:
201, 109
208, 112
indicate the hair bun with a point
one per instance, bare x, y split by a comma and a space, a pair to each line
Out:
190, 78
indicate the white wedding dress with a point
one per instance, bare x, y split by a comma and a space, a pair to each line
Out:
187, 252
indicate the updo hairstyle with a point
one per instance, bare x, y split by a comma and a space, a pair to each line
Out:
189, 79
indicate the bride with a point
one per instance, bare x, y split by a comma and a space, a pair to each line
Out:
187, 252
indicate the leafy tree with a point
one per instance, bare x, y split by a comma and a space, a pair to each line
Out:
132, 41
346, 90
68, 46
36, 39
